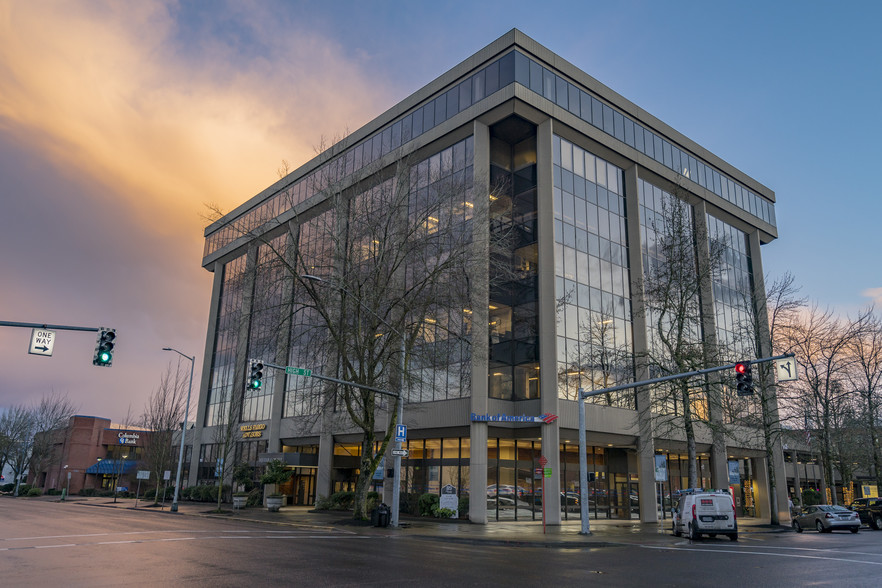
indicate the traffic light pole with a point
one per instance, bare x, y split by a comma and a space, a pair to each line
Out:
583, 462
48, 327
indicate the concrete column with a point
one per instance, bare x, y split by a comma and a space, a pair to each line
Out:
797, 481
323, 482
769, 395
646, 487
761, 497
547, 314
480, 296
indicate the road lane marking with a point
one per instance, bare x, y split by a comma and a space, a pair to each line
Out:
791, 555
274, 536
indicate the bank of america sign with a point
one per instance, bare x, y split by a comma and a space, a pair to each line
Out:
546, 418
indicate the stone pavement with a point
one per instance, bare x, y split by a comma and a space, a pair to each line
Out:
520, 533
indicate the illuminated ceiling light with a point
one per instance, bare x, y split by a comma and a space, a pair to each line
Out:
498, 374
493, 198
493, 307
469, 204
467, 310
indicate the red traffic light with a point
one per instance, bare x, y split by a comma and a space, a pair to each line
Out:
741, 368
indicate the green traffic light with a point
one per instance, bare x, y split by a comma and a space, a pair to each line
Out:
104, 357
255, 384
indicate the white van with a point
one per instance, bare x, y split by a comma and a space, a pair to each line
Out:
700, 512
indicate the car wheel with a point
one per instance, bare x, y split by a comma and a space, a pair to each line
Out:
797, 527
733, 537
819, 526
674, 529
855, 530
877, 522
693, 532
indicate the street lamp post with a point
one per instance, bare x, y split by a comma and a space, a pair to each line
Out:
174, 506
396, 480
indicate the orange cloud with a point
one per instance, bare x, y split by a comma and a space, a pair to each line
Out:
109, 91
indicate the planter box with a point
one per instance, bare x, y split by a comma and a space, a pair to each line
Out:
274, 503
239, 501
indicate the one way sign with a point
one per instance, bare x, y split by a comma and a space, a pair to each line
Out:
42, 342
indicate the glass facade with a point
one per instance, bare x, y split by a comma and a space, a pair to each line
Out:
442, 204
510, 68
592, 278
513, 366
667, 228
558, 90
307, 337
733, 310
267, 305
223, 361
473, 89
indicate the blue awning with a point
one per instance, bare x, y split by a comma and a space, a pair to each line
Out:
113, 466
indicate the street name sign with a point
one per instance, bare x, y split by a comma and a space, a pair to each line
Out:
296, 371
42, 342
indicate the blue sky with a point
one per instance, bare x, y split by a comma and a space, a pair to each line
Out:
120, 120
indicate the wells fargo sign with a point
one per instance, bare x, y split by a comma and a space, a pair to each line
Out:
252, 430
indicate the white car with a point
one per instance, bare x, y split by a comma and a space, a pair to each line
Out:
700, 512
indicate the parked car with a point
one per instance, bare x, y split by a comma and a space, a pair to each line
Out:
870, 511
825, 518
700, 512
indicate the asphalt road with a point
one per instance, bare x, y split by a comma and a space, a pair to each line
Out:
68, 544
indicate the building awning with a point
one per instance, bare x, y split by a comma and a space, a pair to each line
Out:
113, 466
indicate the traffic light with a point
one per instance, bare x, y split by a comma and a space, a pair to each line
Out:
744, 378
255, 379
104, 347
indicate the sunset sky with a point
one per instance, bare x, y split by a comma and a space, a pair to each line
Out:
121, 121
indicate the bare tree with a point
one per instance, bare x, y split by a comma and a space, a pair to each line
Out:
777, 307
16, 427
163, 415
34, 433
866, 379
822, 346
674, 277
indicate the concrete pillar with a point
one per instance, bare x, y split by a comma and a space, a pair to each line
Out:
646, 487
769, 396
480, 336
547, 314
761, 497
323, 482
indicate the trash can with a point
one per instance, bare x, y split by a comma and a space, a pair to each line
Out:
380, 516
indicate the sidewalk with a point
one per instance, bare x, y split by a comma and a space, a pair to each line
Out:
522, 533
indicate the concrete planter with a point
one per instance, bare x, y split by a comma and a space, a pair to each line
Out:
273, 503
239, 501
